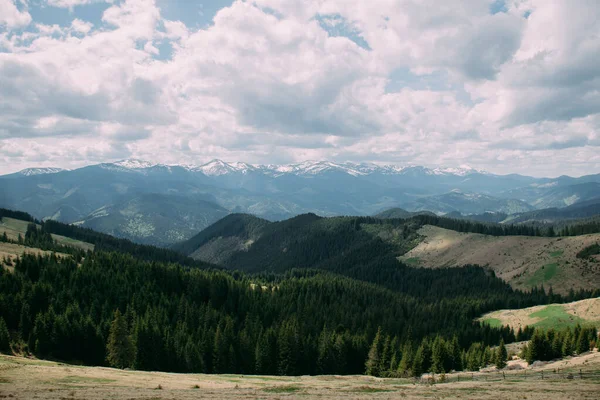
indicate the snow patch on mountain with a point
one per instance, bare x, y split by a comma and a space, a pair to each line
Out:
218, 167
134, 164
41, 171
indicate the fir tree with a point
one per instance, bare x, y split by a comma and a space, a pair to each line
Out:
456, 354
4, 337
438, 355
119, 346
583, 342
374, 358
385, 359
501, 355
406, 362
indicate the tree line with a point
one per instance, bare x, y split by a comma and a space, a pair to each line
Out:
110, 308
554, 344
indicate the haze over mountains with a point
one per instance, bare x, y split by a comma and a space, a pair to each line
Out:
163, 204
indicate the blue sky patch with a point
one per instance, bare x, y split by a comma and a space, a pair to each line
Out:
498, 6
337, 26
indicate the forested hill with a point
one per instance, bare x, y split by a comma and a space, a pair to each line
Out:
101, 241
165, 317
369, 249
247, 243
357, 310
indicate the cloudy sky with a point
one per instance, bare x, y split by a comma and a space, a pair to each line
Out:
506, 86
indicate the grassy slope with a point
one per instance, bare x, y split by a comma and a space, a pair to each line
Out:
522, 261
14, 227
556, 316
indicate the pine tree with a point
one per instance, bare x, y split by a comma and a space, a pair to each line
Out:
583, 342
438, 355
374, 358
501, 355
406, 362
536, 347
456, 354
567, 344
385, 359
556, 348
119, 347
326, 353
288, 348
4, 337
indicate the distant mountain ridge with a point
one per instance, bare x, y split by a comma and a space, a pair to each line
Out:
218, 167
101, 195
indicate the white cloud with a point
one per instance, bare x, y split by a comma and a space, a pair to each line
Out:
81, 26
11, 17
72, 3
266, 83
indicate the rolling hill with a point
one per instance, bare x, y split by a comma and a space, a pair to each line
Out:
190, 316
354, 244
156, 219
472, 203
523, 261
400, 213
581, 210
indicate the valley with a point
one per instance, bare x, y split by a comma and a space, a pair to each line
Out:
279, 308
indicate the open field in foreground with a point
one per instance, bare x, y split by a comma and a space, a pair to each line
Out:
22, 378
550, 316
522, 261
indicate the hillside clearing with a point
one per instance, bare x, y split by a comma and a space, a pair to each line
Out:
522, 261
11, 251
548, 316
13, 227
22, 378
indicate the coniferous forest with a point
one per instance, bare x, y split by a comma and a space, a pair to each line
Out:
132, 306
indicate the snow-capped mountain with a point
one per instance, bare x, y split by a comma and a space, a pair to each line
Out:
40, 171
218, 167
157, 203
134, 163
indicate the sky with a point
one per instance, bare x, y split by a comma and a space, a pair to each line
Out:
506, 86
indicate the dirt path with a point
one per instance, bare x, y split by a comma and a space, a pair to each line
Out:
28, 379
522, 261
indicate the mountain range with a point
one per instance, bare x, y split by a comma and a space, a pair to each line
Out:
162, 204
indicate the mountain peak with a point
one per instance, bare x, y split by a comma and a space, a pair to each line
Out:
217, 167
41, 171
134, 163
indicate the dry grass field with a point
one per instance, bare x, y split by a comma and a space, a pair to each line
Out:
553, 315
522, 261
22, 378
